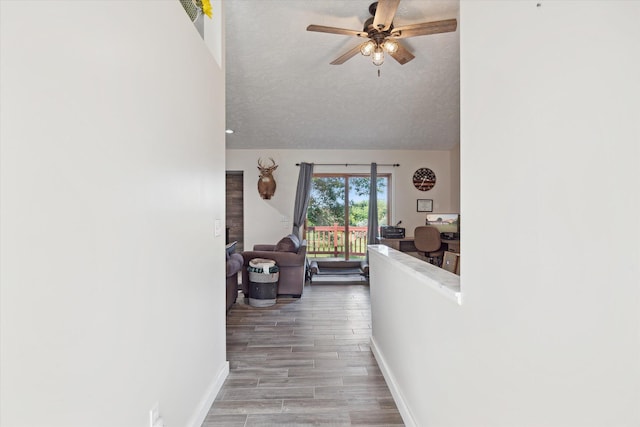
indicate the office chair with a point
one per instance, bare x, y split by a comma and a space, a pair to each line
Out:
427, 240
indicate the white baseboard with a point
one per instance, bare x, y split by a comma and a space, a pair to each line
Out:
405, 413
207, 400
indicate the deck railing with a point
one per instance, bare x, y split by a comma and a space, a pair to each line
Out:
332, 240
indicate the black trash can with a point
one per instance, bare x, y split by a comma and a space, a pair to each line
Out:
263, 282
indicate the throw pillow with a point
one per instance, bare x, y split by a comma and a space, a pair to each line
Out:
295, 240
286, 244
234, 264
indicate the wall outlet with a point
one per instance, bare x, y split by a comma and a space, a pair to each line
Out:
155, 420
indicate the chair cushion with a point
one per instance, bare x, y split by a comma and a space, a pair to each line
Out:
289, 243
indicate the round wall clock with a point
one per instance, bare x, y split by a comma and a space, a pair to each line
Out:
424, 179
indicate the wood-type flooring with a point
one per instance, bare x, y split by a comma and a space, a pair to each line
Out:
304, 362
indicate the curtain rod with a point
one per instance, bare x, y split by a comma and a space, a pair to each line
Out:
352, 164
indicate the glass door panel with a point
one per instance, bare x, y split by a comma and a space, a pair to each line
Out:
337, 216
326, 217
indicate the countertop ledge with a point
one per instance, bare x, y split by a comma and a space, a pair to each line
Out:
444, 282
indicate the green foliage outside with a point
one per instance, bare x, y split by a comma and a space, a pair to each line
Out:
326, 205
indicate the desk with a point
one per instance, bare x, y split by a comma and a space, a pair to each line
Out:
452, 245
407, 245
403, 245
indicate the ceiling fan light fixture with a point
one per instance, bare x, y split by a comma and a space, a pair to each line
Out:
390, 45
378, 56
381, 33
367, 47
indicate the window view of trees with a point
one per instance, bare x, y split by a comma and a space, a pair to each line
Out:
327, 202
338, 214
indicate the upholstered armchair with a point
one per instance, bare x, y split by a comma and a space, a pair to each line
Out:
290, 256
234, 264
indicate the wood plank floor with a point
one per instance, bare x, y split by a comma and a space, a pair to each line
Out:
304, 362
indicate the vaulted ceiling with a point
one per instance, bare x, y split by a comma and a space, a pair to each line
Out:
282, 93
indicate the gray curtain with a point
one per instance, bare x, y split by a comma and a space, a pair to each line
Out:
302, 197
372, 224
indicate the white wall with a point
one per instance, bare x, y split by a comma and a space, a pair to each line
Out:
112, 295
263, 218
549, 330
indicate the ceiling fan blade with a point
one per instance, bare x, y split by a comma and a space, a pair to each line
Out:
402, 55
334, 30
426, 28
346, 56
385, 12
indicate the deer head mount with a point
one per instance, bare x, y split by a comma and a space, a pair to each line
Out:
266, 183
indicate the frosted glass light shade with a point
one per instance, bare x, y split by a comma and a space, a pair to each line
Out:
378, 56
390, 45
367, 47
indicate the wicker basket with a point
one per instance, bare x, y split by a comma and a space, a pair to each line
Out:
263, 282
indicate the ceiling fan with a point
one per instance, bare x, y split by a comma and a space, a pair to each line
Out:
383, 36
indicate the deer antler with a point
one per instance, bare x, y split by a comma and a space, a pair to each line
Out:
263, 167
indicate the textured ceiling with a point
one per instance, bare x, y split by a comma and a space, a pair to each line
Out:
283, 94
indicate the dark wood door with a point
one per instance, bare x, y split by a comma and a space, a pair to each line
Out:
235, 208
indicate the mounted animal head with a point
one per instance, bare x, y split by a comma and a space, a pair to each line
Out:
266, 183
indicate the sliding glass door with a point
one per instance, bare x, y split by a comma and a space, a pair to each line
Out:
337, 216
